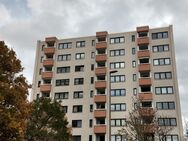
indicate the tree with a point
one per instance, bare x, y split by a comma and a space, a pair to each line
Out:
14, 107
143, 124
47, 122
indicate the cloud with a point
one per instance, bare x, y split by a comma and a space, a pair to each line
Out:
5, 17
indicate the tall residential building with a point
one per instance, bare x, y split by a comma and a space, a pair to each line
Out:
96, 78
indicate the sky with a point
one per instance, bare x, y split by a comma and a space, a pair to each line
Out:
23, 22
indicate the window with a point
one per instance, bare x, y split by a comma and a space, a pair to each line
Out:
134, 91
118, 52
64, 45
118, 138
78, 94
91, 108
65, 109
163, 75
160, 35
161, 61
118, 92
62, 82
160, 48
117, 78
90, 123
134, 77
134, 64
80, 44
78, 81
164, 90
40, 71
64, 57
133, 38
77, 109
79, 68
62, 95
90, 137
39, 82
91, 93
169, 138
76, 138
92, 54
79, 56
117, 65
165, 105
93, 42
118, 107
117, 40
118, 122
77, 123
167, 121
63, 69
133, 51
92, 80
92, 67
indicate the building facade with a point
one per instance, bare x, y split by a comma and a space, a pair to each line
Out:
96, 78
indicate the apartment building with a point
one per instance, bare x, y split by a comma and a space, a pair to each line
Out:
96, 78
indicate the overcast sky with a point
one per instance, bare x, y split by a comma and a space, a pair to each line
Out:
23, 22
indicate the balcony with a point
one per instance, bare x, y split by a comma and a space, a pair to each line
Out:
143, 41
149, 128
100, 84
102, 34
144, 67
47, 75
142, 29
45, 87
48, 62
99, 113
146, 112
100, 98
49, 50
100, 129
100, 58
143, 53
50, 40
101, 45
144, 81
145, 96
100, 71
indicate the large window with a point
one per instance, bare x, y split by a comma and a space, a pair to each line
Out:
76, 138
117, 40
79, 56
117, 65
79, 68
77, 109
64, 57
78, 81
118, 92
161, 61
118, 138
64, 45
163, 75
117, 52
165, 105
62, 82
117, 78
62, 95
160, 35
167, 121
160, 48
118, 107
76, 123
78, 94
63, 69
80, 44
164, 90
169, 138
118, 122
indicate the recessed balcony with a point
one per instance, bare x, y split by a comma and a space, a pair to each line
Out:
144, 67
101, 33
100, 98
144, 81
142, 29
101, 45
100, 58
100, 71
49, 50
147, 112
143, 41
145, 96
100, 129
143, 53
48, 62
50, 40
99, 113
100, 84
149, 128
45, 87
47, 75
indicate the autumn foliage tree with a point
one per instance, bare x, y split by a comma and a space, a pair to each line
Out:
14, 107
47, 122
